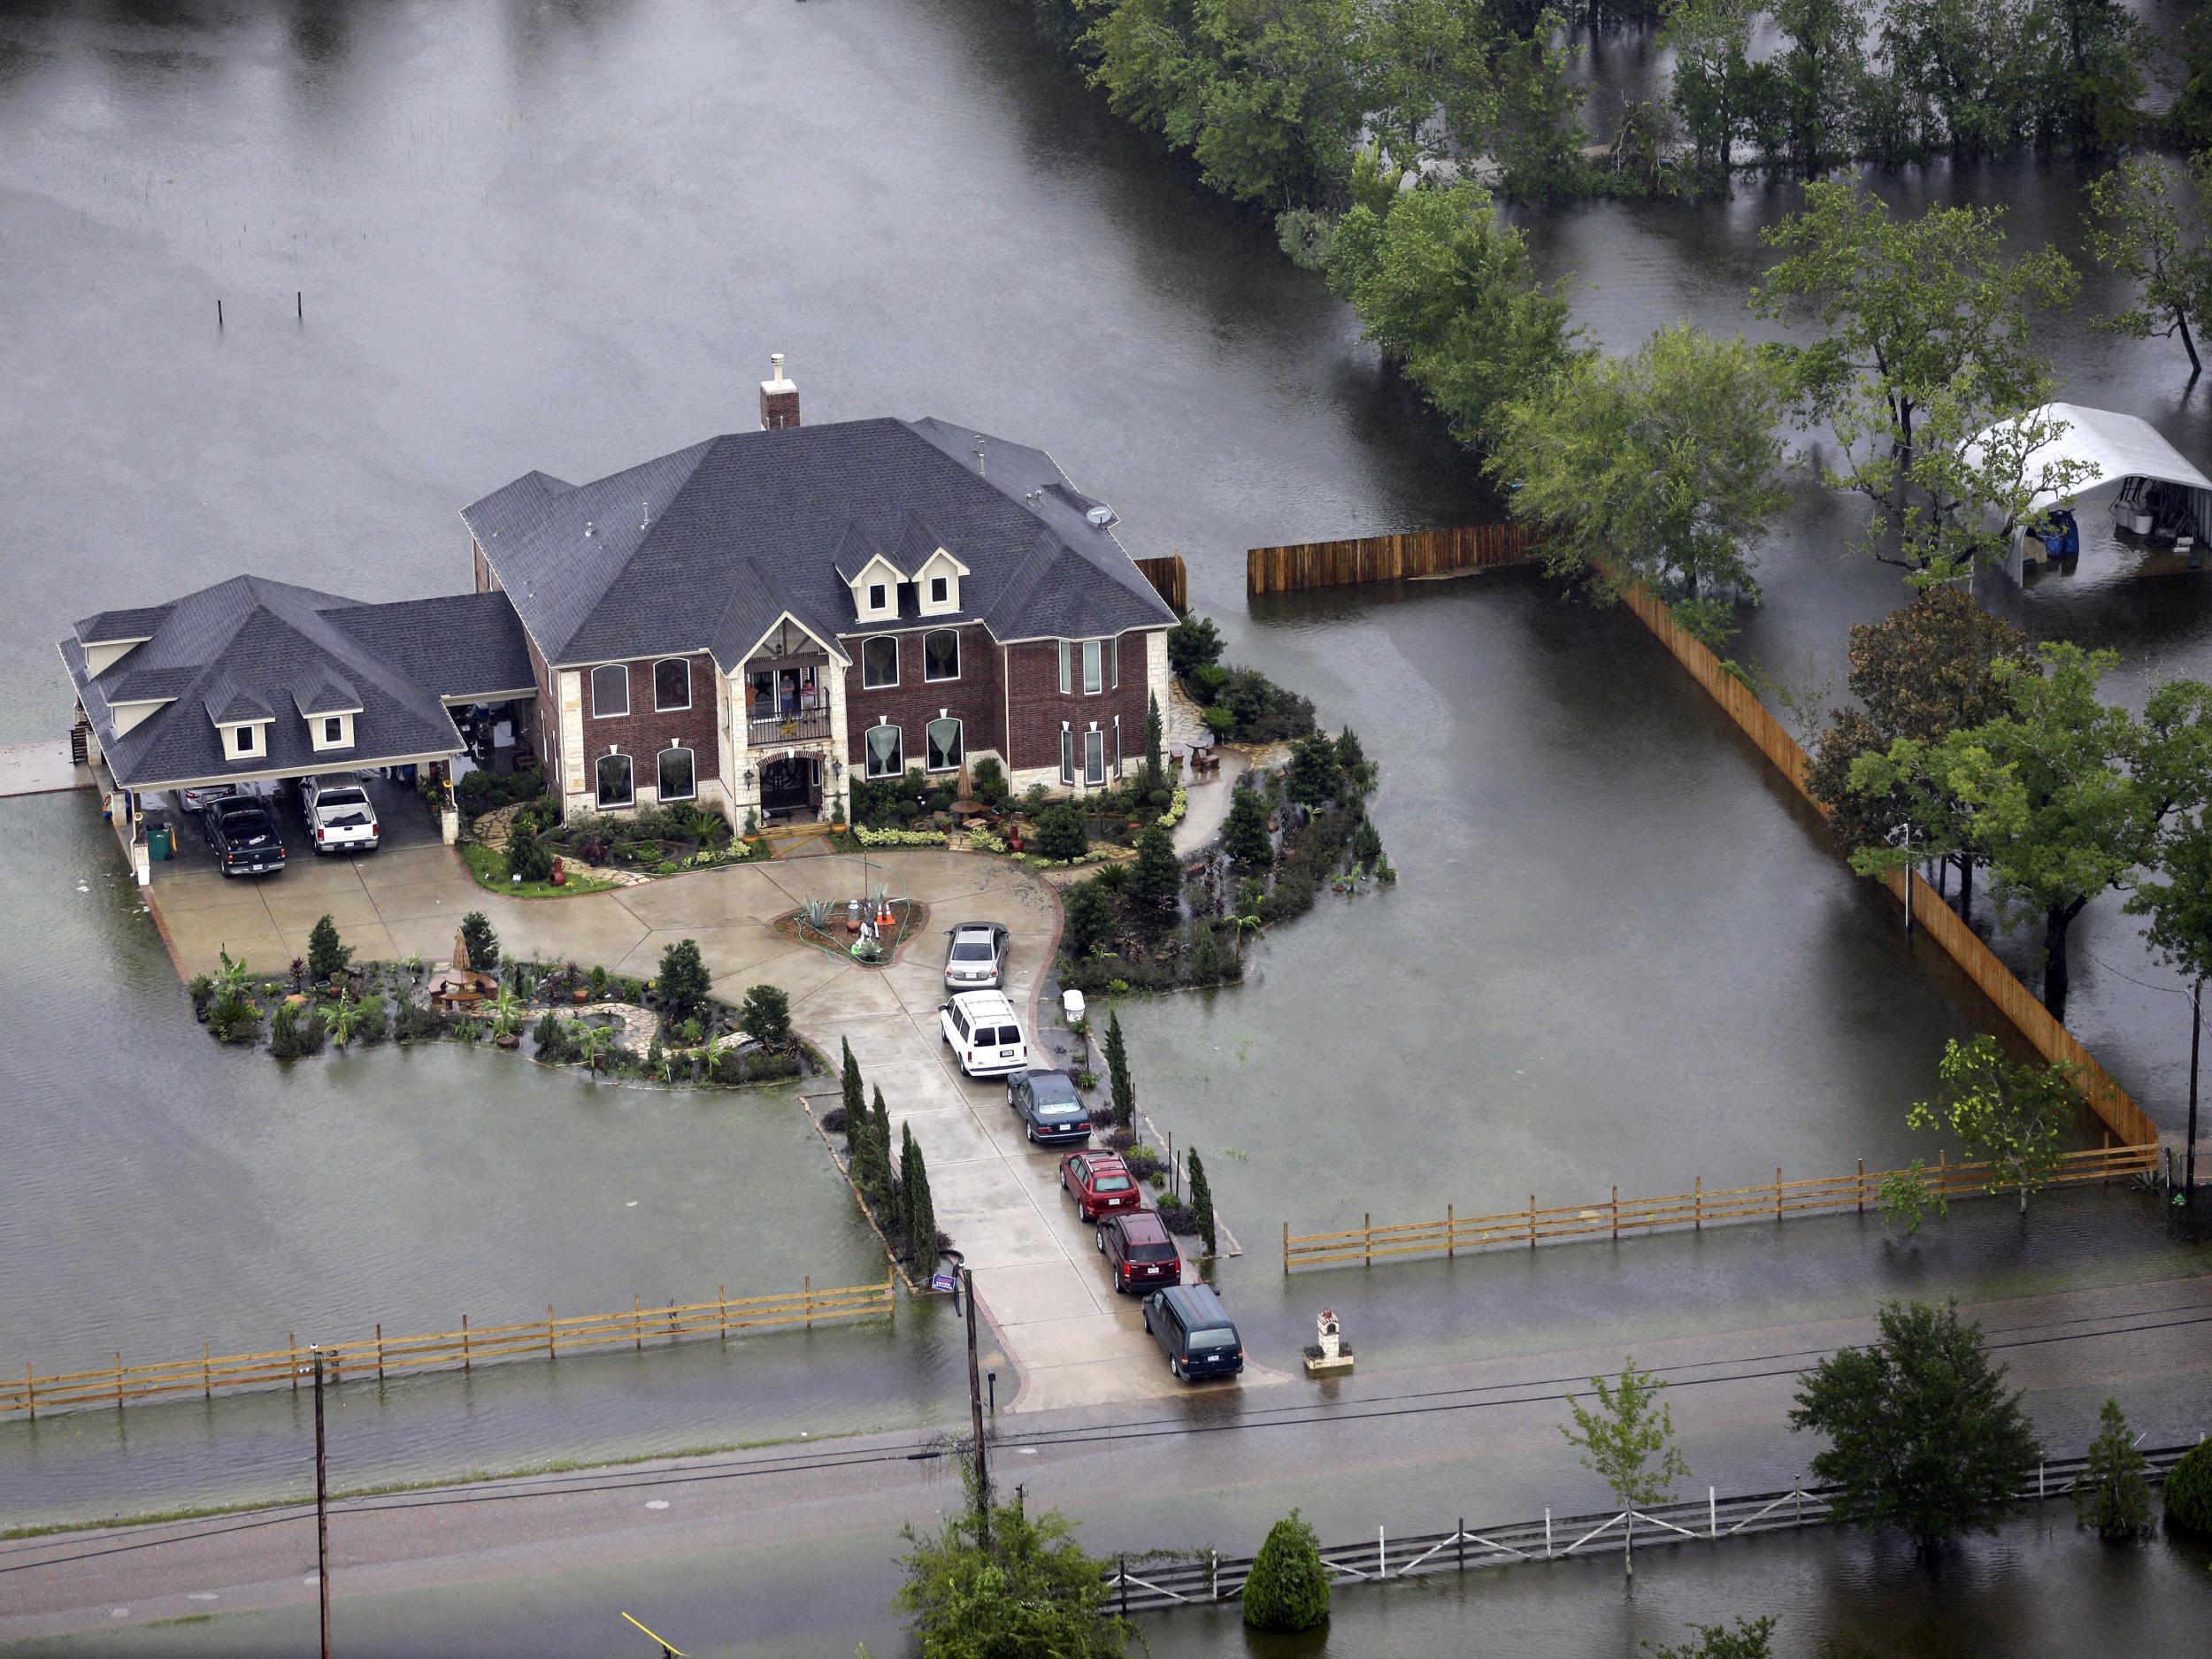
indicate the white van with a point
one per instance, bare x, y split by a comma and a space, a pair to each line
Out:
980, 1028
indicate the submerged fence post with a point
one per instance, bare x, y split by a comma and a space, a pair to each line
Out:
1451, 1233
1697, 1194
207, 1375
1862, 1187
1712, 1512
1382, 1557
1459, 1543
1367, 1234
1617, 1212
1778, 1192
465, 1342
1285, 1250
807, 1287
380, 1351
637, 1323
30, 1389
1531, 1221
1121, 1572
1547, 1531
1213, 1574
118, 1380
292, 1357
722, 1301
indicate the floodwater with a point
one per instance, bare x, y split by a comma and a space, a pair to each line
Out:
454, 242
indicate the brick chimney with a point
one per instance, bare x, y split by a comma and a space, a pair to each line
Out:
779, 398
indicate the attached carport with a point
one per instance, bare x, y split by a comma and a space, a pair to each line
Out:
2156, 497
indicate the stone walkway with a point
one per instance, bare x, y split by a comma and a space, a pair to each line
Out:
1071, 1340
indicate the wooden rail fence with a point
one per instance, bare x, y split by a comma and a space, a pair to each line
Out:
1383, 558
1207, 1576
1170, 577
1770, 1201
2127, 1120
381, 1355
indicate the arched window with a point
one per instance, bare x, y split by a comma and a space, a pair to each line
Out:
614, 781
610, 690
940, 655
887, 751
945, 745
678, 775
879, 661
672, 685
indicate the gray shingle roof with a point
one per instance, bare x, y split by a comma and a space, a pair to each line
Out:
107, 626
706, 547
250, 647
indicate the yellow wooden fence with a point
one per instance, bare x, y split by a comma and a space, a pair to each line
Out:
2127, 1120
1383, 558
1170, 577
381, 1355
1610, 1218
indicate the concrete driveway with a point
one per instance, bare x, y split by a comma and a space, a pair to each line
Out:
1071, 1337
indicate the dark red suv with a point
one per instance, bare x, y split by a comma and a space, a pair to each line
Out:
1137, 1247
1098, 1182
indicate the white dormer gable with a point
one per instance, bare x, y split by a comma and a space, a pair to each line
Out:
244, 740
937, 584
331, 730
875, 586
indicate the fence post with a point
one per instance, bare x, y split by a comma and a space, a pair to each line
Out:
1531, 1221
2038, 1482
807, 1287
1712, 1513
30, 1389
722, 1300
1862, 1187
1285, 1250
1459, 1543
1617, 1212
1382, 1557
675, 1329
1451, 1234
1547, 1531
637, 1323
465, 1342
1697, 1211
1797, 1499
1121, 1572
1778, 1192
292, 1357
118, 1381
1213, 1574
207, 1375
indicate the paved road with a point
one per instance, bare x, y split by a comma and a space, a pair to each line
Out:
804, 1536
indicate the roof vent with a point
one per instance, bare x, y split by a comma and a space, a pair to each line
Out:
980, 472
1100, 516
588, 529
645, 515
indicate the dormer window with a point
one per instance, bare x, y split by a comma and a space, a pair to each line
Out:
331, 730
937, 584
879, 598
940, 589
246, 740
241, 740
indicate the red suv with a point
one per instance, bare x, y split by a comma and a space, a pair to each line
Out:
1137, 1246
1099, 1181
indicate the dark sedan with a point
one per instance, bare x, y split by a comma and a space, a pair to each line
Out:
1052, 1112
242, 836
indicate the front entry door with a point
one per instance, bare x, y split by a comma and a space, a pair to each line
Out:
787, 784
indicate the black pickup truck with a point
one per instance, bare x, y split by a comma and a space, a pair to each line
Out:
242, 835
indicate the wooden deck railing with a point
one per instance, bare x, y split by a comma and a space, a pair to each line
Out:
1610, 1218
381, 1355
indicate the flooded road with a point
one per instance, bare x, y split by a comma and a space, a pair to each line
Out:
565, 236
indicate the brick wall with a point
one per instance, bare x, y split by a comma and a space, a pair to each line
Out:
1038, 708
977, 699
642, 733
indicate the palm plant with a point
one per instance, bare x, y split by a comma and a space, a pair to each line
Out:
232, 978
346, 1019
591, 1042
506, 1011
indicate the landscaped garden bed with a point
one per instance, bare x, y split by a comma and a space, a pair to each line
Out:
869, 930
521, 847
670, 1029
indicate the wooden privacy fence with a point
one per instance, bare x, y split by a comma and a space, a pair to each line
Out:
1206, 1576
1170, 577
1383, 558
1609, 1217
2121, 1113
381, 1355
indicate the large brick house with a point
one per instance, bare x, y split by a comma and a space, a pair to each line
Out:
752, 622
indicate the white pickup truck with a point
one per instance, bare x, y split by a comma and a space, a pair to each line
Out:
339, 815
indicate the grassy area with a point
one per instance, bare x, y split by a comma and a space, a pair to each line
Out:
489, 868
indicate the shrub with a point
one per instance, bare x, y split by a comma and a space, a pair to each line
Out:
765, 1016
326, 956
233, 1017
1315, 775
203, 991
1192, 643
1062, 834
413, 1020
552, 1039
1178, 1217
482, 943
1218, 720
1288, 1588
482, 791
2189, 1491
529, 857
375, 1022
1264, 712
770, 1067
987, 779
1156, 877
683, 979
1143, 1161
1244, 835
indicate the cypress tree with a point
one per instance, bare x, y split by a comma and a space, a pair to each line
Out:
856, 1101
1201, 1199
1244, 837
1124, 1092
1155, 767
2112, 1497
879, 1146
921, 1211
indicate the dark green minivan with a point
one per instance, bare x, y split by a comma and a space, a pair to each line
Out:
1194, 1331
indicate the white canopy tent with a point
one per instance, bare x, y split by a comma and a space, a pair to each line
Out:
2159, 493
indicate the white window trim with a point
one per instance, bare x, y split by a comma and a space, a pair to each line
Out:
1067, 753
671, 708
940, 680
598, 795
1113, 663
247, 740
1094, 654
943, 716
334, 729
598, 713
1090, 782
886, 685
868, 753
879, 597
660, 791
1066, 652
1117, 772
941, 599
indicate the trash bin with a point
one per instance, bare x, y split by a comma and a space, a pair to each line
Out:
160, 841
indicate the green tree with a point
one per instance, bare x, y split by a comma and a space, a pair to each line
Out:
1192, 643
2015, 1116
326, 956
1922, 1434
1288, 1587
854, 1102
765, 1016
1123, 1089
1814, 86
482, 943
1244, 835
1007, 1586
2190, 120
1062, 833
2151, 231
1627, 1439
1202, 1200
1711, 88
1748, 1639
2178, 902
1314, 775
1663, 467
2189, 1490
683, 981
1088, 918
1155, 762
918, 1210
528, 856
1156, 877
1450, 295
882, 1178
2111, 1495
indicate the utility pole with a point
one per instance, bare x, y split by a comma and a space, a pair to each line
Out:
322, 1508
975, 1415
2189, 1153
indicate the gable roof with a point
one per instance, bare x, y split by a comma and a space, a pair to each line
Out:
706, 547
244, 649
